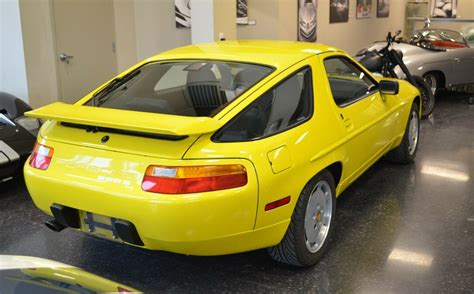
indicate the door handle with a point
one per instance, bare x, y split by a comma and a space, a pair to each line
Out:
457, 59
65, 57
348, 124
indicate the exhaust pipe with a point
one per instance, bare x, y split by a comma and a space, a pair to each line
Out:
53, 225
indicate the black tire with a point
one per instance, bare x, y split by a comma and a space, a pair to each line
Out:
427, 97
292, 249
432, 80
403, 153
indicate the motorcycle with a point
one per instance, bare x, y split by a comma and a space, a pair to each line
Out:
388, 62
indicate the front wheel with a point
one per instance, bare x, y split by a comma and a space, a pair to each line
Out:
307, 236
427, 97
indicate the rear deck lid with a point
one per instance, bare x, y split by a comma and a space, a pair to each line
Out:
151, 134
135, 121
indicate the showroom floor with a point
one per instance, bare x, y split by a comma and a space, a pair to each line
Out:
400, 229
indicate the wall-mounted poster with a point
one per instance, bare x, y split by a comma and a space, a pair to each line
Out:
242, 14
338, 11
182, 13
383, 8
364, 7
307, 20
444, 8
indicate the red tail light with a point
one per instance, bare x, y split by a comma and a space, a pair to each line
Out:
41, 156
193, 179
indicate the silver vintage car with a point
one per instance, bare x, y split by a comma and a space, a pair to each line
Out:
442, 57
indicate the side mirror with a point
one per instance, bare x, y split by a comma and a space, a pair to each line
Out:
389, 87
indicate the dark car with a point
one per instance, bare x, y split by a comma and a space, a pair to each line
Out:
17, 135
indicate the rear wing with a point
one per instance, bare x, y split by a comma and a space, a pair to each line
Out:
145, 122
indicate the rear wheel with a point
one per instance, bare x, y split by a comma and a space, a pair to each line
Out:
406, 151
307, 236
427, 97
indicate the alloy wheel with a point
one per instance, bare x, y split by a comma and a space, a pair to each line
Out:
318, 216
432, 82
413, 131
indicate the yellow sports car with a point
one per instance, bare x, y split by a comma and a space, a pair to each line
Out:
221, 148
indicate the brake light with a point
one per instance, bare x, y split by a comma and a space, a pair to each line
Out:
41, 156
193, 179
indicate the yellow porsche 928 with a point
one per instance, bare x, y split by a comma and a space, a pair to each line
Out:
221, 148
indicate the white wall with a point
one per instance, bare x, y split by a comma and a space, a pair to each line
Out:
277, 19
202, 21
156, 29
125, 35
12, 58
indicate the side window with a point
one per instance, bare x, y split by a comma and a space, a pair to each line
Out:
347, 81
280, 108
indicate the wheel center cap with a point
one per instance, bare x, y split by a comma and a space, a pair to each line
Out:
318, 216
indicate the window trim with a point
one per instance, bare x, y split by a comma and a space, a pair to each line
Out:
362, 70
311, 108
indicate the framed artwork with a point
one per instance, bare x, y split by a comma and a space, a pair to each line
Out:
307, 24
182, 13
383, 8
338, 11
364, 8
242, 12
444, 8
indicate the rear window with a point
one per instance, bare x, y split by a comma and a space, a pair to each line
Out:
194, 88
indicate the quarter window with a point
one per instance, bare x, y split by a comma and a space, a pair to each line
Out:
280, 108
347, 81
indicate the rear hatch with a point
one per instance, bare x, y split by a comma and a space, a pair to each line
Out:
141, 133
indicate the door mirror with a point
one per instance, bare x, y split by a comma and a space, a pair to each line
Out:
388, 87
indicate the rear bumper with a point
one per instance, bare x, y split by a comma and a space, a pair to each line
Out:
212, 223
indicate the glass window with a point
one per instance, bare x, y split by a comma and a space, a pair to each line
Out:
280, 108
347, 81
193, 88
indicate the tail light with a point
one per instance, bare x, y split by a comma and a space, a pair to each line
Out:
41, 156
193, 179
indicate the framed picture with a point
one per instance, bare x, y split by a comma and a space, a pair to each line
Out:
307, 24
363, 9
338, 11
383, 8
182, 13
444, 8
242, 12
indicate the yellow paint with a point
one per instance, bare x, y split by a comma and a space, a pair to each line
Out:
280, 159
71, 276
106, 178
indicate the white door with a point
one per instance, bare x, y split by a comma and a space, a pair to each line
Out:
85, 45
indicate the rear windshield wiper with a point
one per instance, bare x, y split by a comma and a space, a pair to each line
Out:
100, 96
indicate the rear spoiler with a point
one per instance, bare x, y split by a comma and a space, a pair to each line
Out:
144, 122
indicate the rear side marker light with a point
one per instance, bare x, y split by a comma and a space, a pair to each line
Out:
278, 203
193, 179
41, 156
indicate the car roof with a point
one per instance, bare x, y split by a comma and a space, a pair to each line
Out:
278, 54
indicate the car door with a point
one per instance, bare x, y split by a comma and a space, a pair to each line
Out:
362, 111
463, 62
